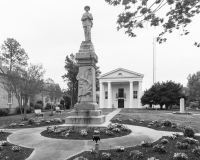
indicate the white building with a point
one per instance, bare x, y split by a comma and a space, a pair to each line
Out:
120, 88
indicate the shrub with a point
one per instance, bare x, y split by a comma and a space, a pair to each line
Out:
136, 154
31, 121
116, 129
159, 148
124, 128
109, 132
166, 123
38, 106
80, 158
31, 104
193, 105
3, 143
28, 109
106, 155
111, 126
119, 148
40, 102
61, 106
152, 158
83, 132
4, 112
1, 148
48, 106
189, 132
196, 151
190, 141
146, 144
157, 125
16, 148
181, 145
164, 141
180, 156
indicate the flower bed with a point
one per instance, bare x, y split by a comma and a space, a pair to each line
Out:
185, 113
10, 151
155, 151
81, 133
33, 123
165, 125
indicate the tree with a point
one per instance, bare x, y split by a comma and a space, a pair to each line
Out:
138, 14
165, 93
71, 67
98, 72
24, 84
194, 87
14, 54
53, 91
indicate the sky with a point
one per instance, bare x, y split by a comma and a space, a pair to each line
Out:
49, 30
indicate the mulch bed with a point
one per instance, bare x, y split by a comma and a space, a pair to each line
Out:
145, 123
146, 151
90, 130
34, 125
8, 154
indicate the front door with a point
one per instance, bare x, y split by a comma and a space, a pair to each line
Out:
120, 103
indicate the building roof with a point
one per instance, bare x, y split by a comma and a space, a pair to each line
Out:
122, 73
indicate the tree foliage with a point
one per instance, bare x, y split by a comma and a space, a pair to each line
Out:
14, 54
165, 93
138, 13
194, 87
52, 90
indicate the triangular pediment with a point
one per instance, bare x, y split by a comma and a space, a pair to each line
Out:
121, 73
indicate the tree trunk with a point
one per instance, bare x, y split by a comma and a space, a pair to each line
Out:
20, 105
25, 106
161, 106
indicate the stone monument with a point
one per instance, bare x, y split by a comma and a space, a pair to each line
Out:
86, 110
182, 105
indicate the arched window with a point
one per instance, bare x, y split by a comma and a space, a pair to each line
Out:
120, 74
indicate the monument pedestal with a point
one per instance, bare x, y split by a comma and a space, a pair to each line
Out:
86, 110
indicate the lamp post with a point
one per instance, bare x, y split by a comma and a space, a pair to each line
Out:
96, 138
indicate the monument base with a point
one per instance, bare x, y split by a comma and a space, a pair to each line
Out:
85, 119
86, 113
86, 106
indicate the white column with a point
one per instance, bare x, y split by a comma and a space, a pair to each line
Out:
131, 95
182, 107
109, 95
139, 93
101, 95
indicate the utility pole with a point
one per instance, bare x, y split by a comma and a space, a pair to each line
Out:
154, 60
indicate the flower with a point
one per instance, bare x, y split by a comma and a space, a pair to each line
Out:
16, 148
96, 132
119, 148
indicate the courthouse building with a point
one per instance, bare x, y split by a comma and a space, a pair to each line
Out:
120, 88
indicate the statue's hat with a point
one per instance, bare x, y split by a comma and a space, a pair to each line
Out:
87, 7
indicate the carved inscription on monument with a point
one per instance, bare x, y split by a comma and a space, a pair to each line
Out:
85, 85
86, 47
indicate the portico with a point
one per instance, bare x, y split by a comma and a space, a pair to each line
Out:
120, 88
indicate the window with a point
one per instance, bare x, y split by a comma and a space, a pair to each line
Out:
135, 94
9, 97
120, 74
106, 95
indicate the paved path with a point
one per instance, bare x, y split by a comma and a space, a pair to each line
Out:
58, 149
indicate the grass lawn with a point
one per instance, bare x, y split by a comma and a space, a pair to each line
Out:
152, 115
